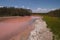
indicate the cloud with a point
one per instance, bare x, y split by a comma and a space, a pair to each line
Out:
1, 6
16, 6
23, 6
42, 10
28, 8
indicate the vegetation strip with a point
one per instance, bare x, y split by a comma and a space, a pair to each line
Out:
54, 24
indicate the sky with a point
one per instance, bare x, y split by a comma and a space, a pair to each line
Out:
34, 5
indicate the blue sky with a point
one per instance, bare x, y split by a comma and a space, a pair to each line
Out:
35, 5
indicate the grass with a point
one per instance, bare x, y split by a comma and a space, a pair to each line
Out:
54, 24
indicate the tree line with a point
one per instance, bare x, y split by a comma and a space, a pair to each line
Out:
11, 11
55, 13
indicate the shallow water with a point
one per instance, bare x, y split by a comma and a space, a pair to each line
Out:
12, 27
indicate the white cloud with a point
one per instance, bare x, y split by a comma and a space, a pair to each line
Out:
1, 6
23, 6
16, 6
42, 10
28, 8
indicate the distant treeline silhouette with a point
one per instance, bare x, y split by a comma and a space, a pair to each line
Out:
55, 13
11, 11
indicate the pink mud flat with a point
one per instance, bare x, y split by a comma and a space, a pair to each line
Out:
13, 28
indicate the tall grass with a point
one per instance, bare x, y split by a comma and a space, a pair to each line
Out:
54, 24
